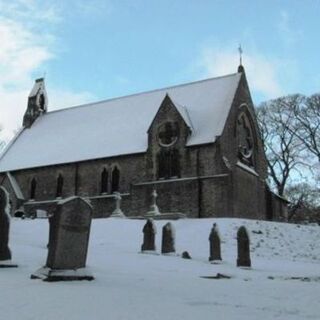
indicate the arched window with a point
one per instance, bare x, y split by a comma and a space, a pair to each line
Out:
33, 187
168, 164
42, 101
104, 181
115, 180
59, 186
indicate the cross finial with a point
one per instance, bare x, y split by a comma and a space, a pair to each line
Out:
240, 53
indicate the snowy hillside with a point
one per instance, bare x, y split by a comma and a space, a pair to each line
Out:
284, 282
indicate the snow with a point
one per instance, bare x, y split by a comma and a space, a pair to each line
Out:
184, 114
15, 186
119, 126
129, 285
71, 198
247, 168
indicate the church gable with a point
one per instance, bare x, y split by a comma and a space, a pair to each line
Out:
240, 142
167, 137
168, 120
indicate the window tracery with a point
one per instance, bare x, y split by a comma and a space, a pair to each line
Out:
245, 139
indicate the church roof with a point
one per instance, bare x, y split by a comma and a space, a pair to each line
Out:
119, 126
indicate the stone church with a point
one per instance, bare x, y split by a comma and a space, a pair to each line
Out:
197, 144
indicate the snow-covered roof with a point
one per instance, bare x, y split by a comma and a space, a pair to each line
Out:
119, 126
184, 114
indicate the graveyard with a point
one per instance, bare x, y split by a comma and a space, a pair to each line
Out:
283, 281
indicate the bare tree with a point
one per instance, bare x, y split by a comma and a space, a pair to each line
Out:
284, 150
304, 202
306, 126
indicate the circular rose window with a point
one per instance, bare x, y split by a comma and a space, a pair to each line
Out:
245, 139
168, 134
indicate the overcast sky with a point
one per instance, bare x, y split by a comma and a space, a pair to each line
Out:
98, 49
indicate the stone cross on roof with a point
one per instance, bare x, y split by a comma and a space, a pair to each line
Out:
240, 54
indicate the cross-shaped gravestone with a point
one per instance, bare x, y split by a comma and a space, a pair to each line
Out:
168, 134
154, 210
117, 213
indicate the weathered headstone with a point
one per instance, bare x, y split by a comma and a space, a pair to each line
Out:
68, 242
117, 213
168, 237
215, 244
5, 253
149, 232
243, 248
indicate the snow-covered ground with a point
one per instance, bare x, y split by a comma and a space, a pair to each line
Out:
130, 285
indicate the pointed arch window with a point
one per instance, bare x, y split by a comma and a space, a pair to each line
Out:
104, 180
168, 164
42, 102
115, 181
33, 187
59, 186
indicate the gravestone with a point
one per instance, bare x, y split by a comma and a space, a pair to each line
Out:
68, 242
149, 232
5, 253
215, 244
243, 248
154, 210
168, 235
117, 213
185, 255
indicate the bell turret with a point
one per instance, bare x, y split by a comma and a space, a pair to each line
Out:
37, 103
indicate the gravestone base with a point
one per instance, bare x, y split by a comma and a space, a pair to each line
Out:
52, 275
215, 261
170, 254
7, 264
243, 266
154, 252
117, 214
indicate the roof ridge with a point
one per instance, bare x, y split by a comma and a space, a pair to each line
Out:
11, 142
140, 93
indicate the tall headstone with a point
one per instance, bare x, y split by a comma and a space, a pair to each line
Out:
5, 253
243, 248
117, 213
149, 232
168, 239
215, 244
68, 242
